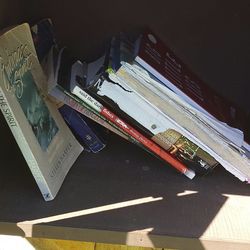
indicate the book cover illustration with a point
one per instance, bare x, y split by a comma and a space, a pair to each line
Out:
47, 144
19, 81
188, 152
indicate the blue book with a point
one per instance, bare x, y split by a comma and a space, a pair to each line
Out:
43, 37
87, 133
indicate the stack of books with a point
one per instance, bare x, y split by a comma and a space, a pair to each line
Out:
138, 90
143, 92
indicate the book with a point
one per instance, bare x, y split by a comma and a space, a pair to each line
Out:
47, 144
169, 105
89, 135
124, 47
153, 54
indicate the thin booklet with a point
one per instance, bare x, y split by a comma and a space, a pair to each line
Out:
46, 142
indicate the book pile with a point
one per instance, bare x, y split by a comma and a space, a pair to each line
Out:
138, 90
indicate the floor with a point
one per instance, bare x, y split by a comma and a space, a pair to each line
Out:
11, 243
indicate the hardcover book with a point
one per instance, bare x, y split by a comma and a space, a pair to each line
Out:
46, 142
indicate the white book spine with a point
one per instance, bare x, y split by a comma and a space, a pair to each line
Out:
87, 98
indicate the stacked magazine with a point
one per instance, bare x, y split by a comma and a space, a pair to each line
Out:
145, 94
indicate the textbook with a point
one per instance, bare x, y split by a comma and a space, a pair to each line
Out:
47, 144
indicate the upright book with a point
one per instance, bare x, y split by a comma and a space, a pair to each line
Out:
46, 142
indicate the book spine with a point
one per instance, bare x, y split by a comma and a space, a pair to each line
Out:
24, 147
133, 132
82, 130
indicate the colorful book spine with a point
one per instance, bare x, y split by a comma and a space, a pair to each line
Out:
84, 133
72, 101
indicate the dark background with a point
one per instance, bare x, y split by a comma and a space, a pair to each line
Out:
213, 39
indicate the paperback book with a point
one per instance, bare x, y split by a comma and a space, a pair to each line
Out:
46, 142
